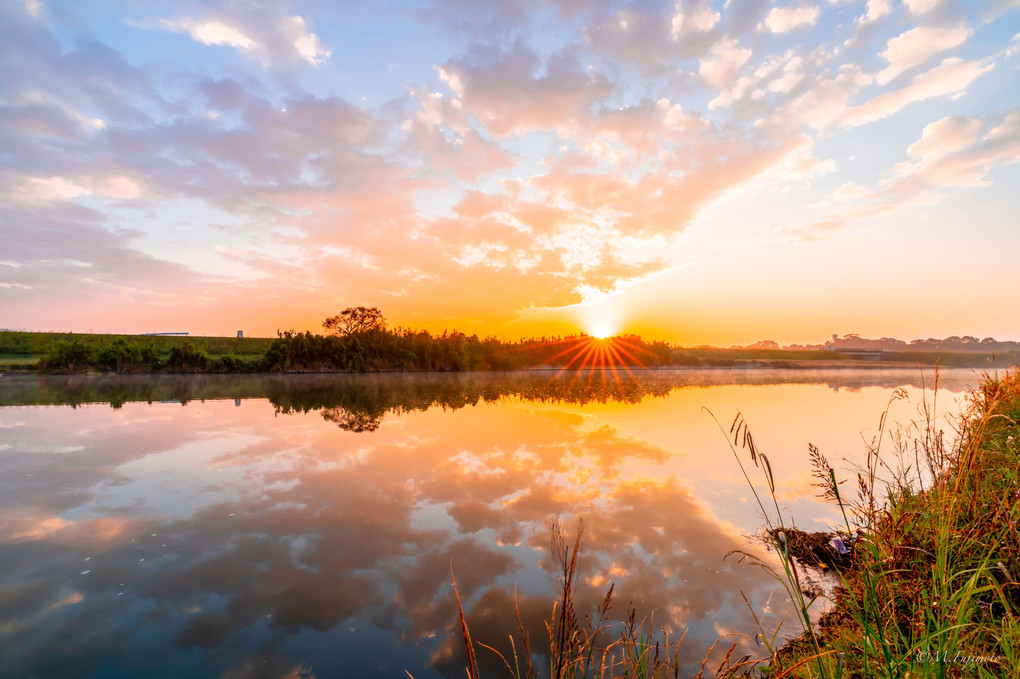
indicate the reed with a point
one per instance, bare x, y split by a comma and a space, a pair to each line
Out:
930, 589
592, 646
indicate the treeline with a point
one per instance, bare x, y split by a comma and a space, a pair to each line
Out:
373, 350
404, 349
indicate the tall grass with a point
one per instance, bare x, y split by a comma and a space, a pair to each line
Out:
931, 588
590, 645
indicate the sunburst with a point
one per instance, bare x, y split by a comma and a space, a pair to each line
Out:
608, 358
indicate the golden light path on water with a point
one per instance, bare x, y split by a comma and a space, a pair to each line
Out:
314, 526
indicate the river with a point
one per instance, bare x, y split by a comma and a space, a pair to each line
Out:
306, 526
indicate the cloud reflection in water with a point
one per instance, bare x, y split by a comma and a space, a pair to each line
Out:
312, 528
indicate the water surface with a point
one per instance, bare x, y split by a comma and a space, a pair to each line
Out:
243, 526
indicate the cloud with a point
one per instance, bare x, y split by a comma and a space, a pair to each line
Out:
914, 47
820, 103
952, 153
921, 6
265, 33
876, 9
120, 187
213, 33
504, 89
693, 17
785, 19
946, 136
723, 63
959, 152
306, 43
652, 36
447, 141
952, 76
51, 189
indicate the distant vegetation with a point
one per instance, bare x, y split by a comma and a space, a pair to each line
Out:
402, 349
358, 340
70, 352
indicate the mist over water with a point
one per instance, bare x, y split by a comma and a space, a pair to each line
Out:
235, 526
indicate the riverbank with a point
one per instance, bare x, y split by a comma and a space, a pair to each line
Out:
929, 587
411, 351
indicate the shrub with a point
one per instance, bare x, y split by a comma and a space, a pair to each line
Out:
71, 355
186, 358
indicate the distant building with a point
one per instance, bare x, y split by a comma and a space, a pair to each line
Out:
240, 334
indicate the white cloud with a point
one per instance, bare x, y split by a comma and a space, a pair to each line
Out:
723, 62
953, 153
213, 33
784, 19
120, 187
921, 6
952, 76
307, 44
946, 136
271, 38
700, 19
51, 189
802, 164
33, 7
34, 96
851, 191
876, 10
820, 106
786, 82
914, 47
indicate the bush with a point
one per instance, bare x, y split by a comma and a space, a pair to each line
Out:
117, 356
186, 358
72, 355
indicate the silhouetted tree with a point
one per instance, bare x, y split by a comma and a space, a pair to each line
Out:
355, 320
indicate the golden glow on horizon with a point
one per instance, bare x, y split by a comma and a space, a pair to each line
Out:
610, 358
601, 329
600, 315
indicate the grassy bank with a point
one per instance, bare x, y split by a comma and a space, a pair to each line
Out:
931, 584
77, 352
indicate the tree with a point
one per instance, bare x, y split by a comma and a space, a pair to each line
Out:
354, 320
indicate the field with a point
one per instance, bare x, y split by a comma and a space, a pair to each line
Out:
24, 350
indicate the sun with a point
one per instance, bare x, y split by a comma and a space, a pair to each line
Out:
599, 315
601, 328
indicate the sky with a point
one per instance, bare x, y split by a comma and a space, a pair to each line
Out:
695, 171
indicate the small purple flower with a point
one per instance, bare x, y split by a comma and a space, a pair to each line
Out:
837, 544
